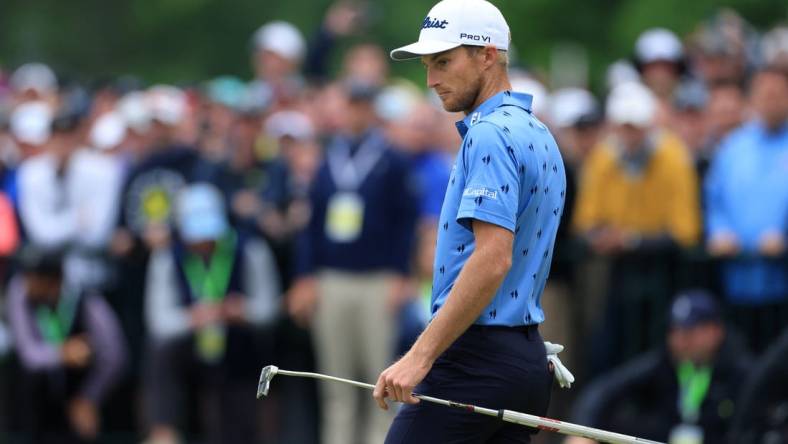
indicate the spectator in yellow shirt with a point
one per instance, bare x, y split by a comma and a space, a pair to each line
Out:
638, 187
637, 202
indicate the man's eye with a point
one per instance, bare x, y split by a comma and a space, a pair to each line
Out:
443, 63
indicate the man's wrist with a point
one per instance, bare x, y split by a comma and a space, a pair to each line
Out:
422, 354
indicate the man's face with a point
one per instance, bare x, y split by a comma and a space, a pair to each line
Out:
455, 76
631, 137
42, 288
698, 343
725, 111
769, 98
661, 77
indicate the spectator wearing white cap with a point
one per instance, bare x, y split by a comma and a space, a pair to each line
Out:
207, 296
30, 126
283, 203
279, 50
637, 201
68, 198
32, 82
659, 56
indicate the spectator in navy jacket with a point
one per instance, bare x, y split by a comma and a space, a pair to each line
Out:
353, 261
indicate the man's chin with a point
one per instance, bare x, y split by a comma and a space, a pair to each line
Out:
450, 106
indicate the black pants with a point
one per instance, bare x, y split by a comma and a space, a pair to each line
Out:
44, 406
492, 367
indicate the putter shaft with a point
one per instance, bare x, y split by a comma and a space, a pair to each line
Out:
548, 424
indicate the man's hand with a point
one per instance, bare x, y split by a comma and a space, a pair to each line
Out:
578, 440
84, 418
76, 352
723, 245
397, 382
607, 240
772, 244
233, 309
203, 314
302, 300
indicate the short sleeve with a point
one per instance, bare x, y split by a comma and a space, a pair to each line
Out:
492, 185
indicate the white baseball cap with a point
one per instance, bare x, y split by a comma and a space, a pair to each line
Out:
281, 38
453, 23
633, 104
658, 44
568, 106
31, 123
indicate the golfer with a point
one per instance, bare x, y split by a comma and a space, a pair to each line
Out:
495, 242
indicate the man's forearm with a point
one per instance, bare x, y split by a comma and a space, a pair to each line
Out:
473, 290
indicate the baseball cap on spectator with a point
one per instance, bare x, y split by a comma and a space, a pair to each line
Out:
396, 101
282, 38
690, 95
658, 45
360, 91
620, 71
524, 83
775, 45
694, 307
135, 111
108, 131
571, 107
31, 123
34, 76
227, 90
34, 259
201, 213
453, 23
66, 121
631, 103
167, 104
290, 124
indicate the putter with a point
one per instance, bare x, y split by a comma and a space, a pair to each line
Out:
550, 425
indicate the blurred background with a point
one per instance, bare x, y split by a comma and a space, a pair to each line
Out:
191, 190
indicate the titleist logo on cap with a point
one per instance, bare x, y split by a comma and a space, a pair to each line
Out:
434, 23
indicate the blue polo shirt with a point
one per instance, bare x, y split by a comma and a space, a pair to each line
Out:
508, 172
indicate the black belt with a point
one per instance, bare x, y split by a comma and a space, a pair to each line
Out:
519, 328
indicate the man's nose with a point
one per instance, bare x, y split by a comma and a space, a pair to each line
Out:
432, 79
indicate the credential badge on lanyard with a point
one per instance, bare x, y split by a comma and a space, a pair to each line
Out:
345, 211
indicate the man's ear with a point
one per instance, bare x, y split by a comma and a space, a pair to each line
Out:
490, 54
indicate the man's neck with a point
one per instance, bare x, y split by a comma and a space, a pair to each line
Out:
490, 88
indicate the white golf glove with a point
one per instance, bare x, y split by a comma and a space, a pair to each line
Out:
562, 374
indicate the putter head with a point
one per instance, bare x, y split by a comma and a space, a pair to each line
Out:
266, 376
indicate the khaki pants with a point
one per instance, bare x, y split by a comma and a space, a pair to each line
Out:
354, 338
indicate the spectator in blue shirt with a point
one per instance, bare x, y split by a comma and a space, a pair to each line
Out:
747, 212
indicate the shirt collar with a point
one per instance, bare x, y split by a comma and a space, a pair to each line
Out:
503, 98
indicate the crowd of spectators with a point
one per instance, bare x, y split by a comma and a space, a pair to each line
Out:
159, 244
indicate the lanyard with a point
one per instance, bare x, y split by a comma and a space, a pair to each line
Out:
210, 283
693, 388
349, 171
55, 325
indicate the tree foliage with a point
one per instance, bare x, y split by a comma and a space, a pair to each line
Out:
186, 41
